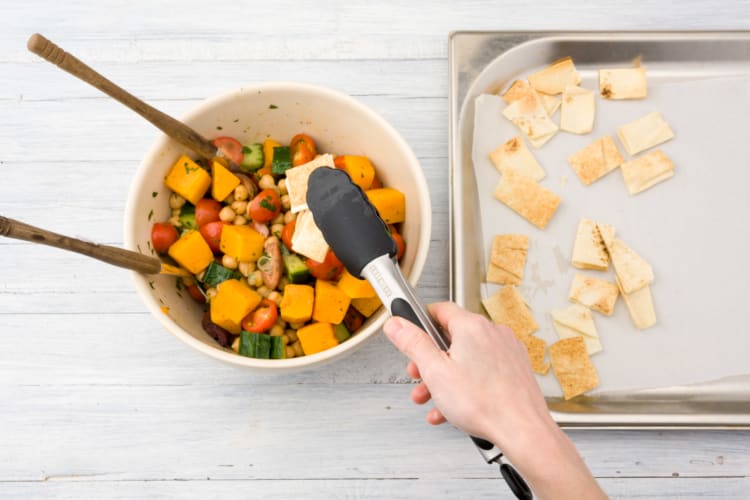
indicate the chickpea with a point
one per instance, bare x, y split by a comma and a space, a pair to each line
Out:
289, 217
229, 262
211, 293
290, 352
239, 207
282, 186
279, 219
276, 230
240, 220
236, 345
285, 339
266, 182
274, 297
296, 326
244, 268
298, 349
286, 202
227, 214
176, 201
291, 335
176, 212
263, 291
276, 331
241, 193
200, 275
255, 279
229, 199
175, 221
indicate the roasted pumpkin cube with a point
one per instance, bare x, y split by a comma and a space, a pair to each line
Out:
367, 306
317, 337
355, 288
390, 204
330, 302
188, 179
297, 303
359, 168
223, 182
241, 242
192, 252
233, 301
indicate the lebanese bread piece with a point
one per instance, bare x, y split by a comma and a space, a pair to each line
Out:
516, 156
527, 198
501, 276
646, 171
508, 308
632, 271
297, 177
578, 318
596, 160
307, 239
591, 292
529, 115
517, 90
536, 348
593, 344
578, 110
554, 78
509, 253
640, 305
572, 366
551, 103
606, 234
625, 83
644, 133
588, 250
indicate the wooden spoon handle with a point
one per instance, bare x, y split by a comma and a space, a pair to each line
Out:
173, 128
112, 255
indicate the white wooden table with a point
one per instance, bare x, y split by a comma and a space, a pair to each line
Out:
97, 400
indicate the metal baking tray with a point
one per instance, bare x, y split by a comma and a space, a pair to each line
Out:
719, 402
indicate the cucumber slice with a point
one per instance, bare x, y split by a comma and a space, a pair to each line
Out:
278, 349
252, 157
216, 273
247, 344
255, 345
294, 267
282, 160
187, 217
341, 332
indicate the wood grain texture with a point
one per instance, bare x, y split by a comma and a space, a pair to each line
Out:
98, 401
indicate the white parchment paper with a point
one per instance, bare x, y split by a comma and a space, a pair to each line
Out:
694, 229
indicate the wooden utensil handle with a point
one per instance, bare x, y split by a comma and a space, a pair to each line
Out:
112, 255
173, 128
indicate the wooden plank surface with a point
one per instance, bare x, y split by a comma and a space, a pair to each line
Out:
98, 401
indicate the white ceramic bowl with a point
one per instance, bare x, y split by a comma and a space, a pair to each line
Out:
339, 124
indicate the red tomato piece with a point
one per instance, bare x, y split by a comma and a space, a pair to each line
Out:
262, 318
303, 149
399, 241
231, 148
207, 210
196, 294
162, 236
329, 269
211, 232
339, 162
265, 206
288, 232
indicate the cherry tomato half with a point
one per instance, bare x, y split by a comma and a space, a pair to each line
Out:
288, 232
231, 148
196, 294
265, 206
262, 318
399, 243
303, 149
211, 232
162, 236
329, 269
207, 210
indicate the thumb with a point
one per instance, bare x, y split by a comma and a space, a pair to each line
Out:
413, 342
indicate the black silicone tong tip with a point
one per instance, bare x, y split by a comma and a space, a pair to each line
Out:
349, 222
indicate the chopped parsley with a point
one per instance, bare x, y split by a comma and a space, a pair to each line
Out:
150, 214
151, 284
273, 106
154, 194
267, 204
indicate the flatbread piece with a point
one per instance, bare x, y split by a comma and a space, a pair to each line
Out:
644, 133
527, 198
507, 307
624, 83
529, 115
572, 366
596, 160
536, 348
515, 155
647, 171
640, 305
554, 78
592, 292
632, 270
588, 250
578, 110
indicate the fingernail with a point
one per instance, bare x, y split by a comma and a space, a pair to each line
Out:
392, 326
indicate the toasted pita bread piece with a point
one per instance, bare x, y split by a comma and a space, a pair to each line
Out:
572, 366
647, 171
554, 78
501, 276
625, 83
509, 253
578, 318
578, 110
297, 177
530, 116
520, 88
527, 198
640, 305
593, 345
632, 271
588, 250
516, 156
591, 292
596, 160
507, 307
551, 103
606, 234
536, 348
644, 133
307, 239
